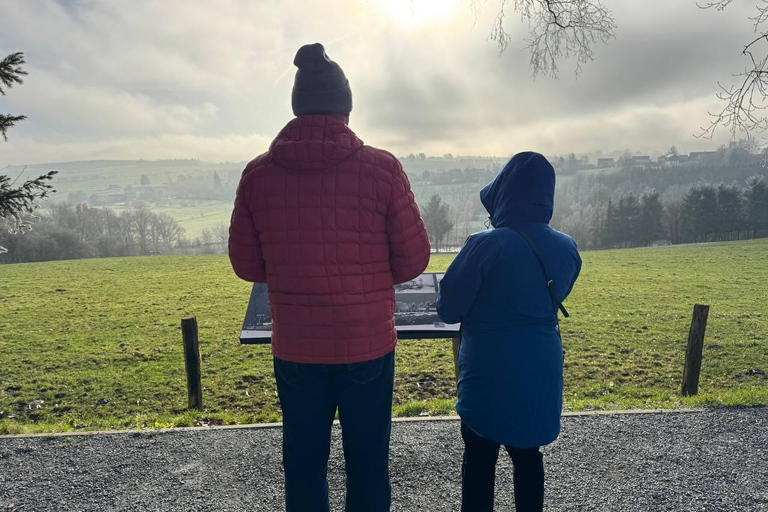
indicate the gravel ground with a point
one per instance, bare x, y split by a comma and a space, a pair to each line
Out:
703, 461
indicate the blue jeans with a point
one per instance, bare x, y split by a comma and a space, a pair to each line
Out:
309, 395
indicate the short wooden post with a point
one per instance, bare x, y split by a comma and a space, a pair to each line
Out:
456, 345
192, 362
694, 350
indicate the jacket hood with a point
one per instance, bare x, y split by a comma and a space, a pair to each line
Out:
313, 143
523, 191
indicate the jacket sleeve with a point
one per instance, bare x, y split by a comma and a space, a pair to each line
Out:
408, 242
244, 245
577, 264
464, 277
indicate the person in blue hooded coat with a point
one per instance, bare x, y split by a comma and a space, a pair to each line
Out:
510, 389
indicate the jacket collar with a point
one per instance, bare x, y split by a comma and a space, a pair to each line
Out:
314, 142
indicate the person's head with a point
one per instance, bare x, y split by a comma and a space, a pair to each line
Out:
523, 191
320, 86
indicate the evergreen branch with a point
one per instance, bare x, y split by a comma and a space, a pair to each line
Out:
11, 70
18, 203
8, 121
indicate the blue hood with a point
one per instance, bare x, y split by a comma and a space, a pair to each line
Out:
523, 191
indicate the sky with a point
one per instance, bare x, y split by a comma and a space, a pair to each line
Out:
156, 79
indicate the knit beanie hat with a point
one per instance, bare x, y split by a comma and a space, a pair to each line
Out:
320, 86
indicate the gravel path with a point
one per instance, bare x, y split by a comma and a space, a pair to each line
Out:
706, 461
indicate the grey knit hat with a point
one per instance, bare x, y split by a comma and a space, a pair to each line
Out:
320, 86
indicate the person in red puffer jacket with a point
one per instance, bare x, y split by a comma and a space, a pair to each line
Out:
330, 225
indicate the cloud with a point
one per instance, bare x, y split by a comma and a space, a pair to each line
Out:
154, 79
88, 110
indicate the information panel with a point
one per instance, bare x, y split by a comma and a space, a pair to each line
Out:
415, 312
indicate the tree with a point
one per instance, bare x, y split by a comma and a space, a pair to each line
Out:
700, 212
730, 204
126, 233
436, 219
206, 237
571, 163
673, 151
622, 222
625, 160
628, 213
757, 205
650, 227
144, 180
610, 232
673, 219
18, 204
141, 219
216, 181
220, 232
165, 231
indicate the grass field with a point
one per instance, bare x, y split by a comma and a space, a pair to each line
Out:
96, 344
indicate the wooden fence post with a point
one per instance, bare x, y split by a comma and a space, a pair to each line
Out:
192, 362
456, 345
694, 350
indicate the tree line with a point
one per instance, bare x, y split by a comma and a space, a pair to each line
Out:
81, 231
706, 212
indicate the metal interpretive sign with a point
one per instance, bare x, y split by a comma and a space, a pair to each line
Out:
415, 312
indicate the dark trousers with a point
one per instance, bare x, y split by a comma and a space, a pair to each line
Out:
478, 475
310, 395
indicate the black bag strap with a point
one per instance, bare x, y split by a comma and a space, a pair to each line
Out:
556, 302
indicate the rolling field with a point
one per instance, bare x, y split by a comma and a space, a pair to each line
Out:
96, 344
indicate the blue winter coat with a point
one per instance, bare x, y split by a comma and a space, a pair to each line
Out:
511, 359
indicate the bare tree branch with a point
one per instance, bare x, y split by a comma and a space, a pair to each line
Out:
745, 101
558, 29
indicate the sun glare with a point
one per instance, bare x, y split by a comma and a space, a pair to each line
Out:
416, 13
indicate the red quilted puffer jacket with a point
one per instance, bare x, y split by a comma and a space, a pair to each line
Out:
330, 225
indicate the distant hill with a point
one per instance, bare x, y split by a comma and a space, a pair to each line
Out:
95, 166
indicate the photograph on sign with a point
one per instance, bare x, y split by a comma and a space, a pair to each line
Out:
415, 312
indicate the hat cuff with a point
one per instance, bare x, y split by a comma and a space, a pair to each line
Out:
335, 101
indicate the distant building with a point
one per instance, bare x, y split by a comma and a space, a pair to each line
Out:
703, 156
603, 163
670, 160
642, 160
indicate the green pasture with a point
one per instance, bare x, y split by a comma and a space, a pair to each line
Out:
96, 344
